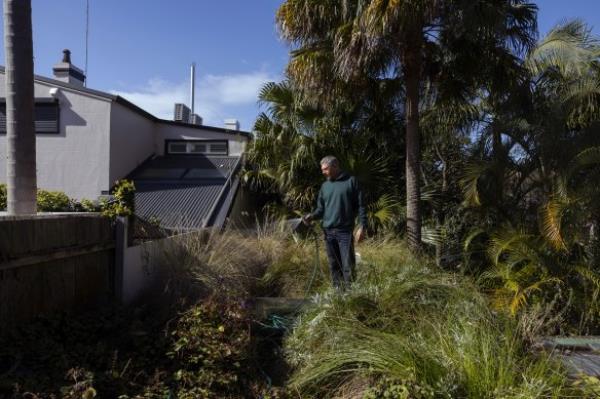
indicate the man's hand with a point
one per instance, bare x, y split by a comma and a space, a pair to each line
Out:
359, 234
307, 219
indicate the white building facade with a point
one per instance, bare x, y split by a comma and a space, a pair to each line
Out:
87, 139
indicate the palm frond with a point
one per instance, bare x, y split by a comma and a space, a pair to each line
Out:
470, 237
550, 218
469, 183
383, 211
508, 241
587, 157
568, 48
431, 235
583, 100
590, 275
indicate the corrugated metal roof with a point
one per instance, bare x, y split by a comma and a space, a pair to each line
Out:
181, 191
177, 166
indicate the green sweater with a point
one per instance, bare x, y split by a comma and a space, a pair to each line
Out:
339, 202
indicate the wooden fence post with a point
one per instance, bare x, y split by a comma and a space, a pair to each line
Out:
121, 239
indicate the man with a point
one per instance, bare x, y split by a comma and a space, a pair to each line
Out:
339, 202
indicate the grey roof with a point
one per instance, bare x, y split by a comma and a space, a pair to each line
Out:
183, 192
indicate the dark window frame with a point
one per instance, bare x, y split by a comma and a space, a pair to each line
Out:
192, 154
41, 102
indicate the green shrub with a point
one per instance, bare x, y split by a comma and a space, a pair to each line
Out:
123, 203
86, 205
53, 201
2, 197
211, 351
200, 352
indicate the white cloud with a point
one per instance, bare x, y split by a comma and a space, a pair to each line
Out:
215, 95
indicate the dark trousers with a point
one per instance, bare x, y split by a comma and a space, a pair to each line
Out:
339, 244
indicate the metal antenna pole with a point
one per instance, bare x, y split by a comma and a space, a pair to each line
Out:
192, 84
87, 35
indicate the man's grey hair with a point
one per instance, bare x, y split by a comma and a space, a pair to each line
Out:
329, 160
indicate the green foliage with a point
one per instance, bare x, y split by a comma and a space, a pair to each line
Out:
530, 264
53, 201
82, 387
89, 206
356, 62
204, 352
405, 329
211, 350
386, 388
2, 197
530, 186
418, 333
300, 270
123, 203
292, 137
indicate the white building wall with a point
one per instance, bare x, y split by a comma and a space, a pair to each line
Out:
74, 161
101, 141
131, 141
165, 131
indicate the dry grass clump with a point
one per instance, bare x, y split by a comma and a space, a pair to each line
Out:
301, 271
266, 261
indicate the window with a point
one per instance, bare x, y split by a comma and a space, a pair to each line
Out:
46, 117
218, 148
46, 114
198, 148
190, 147
177, 148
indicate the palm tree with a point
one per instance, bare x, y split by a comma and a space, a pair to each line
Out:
563, 80
283, 153
290, 139
21, 168
378, 38
550, 163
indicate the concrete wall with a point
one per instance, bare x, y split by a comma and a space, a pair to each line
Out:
237, 142
131, 141
145, 269
52, 263
75, 160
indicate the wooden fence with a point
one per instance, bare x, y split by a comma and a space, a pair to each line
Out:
54, 262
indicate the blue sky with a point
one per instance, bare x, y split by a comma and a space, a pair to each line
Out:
142, 50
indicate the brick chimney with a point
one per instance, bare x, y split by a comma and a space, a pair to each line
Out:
67, 72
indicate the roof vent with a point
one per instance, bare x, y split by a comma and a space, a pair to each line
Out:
232, 124
67, 72
196, 119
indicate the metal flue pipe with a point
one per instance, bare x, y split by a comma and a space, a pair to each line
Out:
192, 84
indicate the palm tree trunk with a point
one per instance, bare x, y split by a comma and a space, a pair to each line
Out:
440, 210
412, 76
20, 130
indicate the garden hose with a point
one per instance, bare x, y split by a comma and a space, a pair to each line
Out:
278, 322
283, 323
